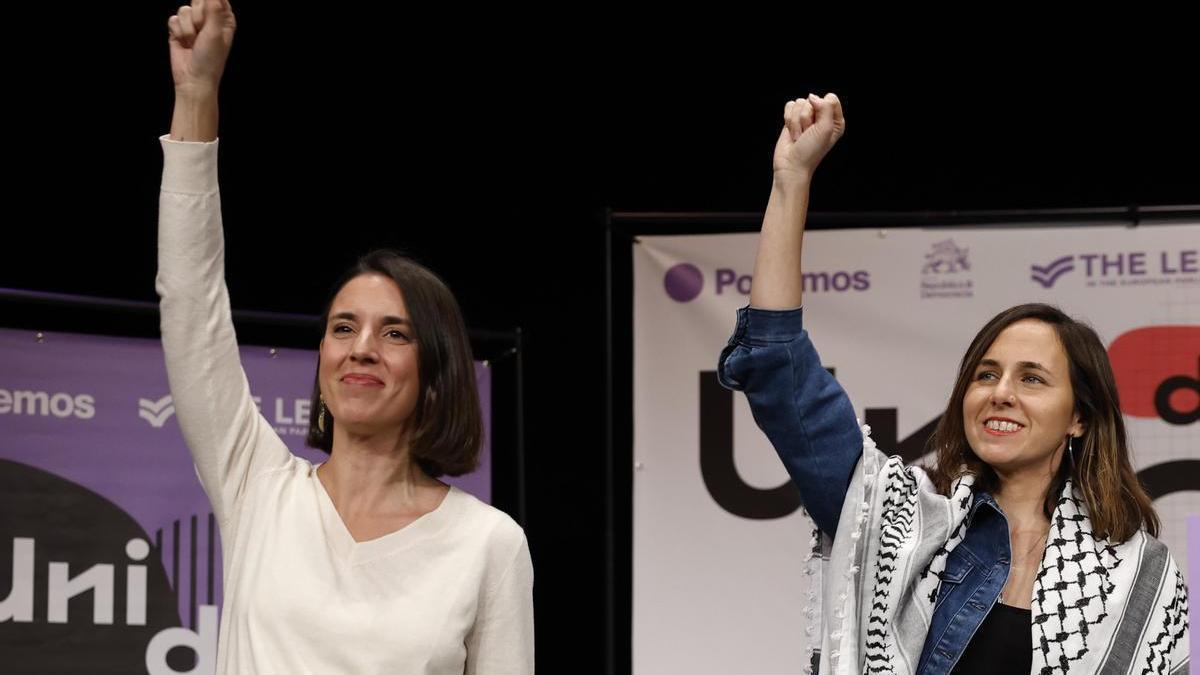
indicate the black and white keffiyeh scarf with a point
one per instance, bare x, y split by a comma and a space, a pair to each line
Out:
1098, 606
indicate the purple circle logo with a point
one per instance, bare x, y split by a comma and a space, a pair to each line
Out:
683, 282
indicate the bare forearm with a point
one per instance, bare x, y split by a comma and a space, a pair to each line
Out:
777, 279
195, 116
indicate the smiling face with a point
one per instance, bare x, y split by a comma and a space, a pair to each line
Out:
368, 372
1019, 407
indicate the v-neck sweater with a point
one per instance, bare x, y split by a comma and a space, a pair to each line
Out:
449, 593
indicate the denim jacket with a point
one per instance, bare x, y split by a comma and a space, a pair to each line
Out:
809, 420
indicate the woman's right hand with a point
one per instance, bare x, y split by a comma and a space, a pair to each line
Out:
200, 36
811, 127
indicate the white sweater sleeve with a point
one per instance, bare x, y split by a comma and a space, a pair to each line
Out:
229, 439
501, 642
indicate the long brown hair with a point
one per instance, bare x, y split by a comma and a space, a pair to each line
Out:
1116, 501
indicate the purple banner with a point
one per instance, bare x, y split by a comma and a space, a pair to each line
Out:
112, 539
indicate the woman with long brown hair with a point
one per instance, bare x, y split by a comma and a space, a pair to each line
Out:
1028, 547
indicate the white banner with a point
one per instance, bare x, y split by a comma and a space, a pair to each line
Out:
718, 542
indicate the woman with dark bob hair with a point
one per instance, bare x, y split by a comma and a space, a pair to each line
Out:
1028, 547
365, 563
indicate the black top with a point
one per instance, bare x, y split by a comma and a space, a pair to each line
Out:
1001, 645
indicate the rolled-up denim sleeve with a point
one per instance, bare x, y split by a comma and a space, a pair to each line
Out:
799, 406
